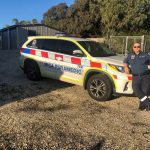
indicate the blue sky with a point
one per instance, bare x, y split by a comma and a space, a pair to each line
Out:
26, 9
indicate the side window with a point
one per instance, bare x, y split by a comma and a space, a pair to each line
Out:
44, 44
48, 44
32, 44
67, 47
54, 45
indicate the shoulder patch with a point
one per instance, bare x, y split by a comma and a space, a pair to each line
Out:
132, 56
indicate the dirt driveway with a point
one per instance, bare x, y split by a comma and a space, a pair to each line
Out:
50, 114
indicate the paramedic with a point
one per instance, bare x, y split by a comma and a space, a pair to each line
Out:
138, 64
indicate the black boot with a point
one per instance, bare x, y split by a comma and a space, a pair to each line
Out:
145, 104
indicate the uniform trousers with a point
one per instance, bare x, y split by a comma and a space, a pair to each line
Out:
141, 85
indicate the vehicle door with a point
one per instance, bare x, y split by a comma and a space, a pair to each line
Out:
69, 61
64, 64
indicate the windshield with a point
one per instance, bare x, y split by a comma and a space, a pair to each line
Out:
96, 49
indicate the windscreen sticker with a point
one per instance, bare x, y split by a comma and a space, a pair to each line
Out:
64, 68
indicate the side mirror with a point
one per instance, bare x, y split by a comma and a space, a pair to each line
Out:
78, 53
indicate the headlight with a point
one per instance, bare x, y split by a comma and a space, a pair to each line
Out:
118, 68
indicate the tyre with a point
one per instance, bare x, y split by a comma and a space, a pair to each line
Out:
32, 70
99, 87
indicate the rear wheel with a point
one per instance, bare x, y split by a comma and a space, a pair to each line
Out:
32, 70
99, 87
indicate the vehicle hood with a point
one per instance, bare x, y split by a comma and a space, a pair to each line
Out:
116, 60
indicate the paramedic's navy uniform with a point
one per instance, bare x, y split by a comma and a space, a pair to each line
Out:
138, 63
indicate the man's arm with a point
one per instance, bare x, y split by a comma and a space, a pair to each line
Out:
126, 68
148, 61
126, 65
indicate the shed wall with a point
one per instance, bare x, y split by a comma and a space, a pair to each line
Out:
0, 40
5, 40
13, 38
22, 36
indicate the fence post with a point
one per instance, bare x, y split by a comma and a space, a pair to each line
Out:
142, 43
126, 48
110, 42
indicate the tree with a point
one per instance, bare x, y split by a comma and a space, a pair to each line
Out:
34, 21
123, 15
97, 17
83, 18
112, 14
55, 14
135, 15
15, 21
79, 18
147, 11
24, 22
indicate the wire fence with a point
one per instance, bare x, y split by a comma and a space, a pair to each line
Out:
123, 44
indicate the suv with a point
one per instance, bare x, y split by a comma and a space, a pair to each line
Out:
78, 61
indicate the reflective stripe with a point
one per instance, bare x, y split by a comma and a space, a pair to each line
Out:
38, 53
95, 64
67, 59
115, 76
32, 51
73, 60
144, 98
104, 66
44, 54
21, 49
85, 62
59, 57
27, 51
129, 77
76, 61
51, 55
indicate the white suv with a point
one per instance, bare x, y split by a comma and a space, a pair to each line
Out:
78, 61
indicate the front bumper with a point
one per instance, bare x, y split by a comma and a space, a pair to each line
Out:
123, 86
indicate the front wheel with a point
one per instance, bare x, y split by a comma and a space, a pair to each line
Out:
99, 87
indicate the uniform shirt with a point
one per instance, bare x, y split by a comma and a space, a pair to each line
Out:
138, 62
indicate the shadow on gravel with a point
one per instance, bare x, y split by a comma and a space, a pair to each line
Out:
99, 145
15, 86
38, 107
58, 140
10, 93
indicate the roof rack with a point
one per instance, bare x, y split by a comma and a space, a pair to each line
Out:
63, 34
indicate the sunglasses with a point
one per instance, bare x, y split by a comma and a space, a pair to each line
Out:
137, 47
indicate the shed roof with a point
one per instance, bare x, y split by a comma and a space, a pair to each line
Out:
27, 25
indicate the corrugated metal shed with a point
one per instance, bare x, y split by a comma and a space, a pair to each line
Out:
14, 36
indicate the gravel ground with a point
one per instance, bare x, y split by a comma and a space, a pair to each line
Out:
50, 114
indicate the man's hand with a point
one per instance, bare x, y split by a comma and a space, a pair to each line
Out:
126, 69
149, 67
